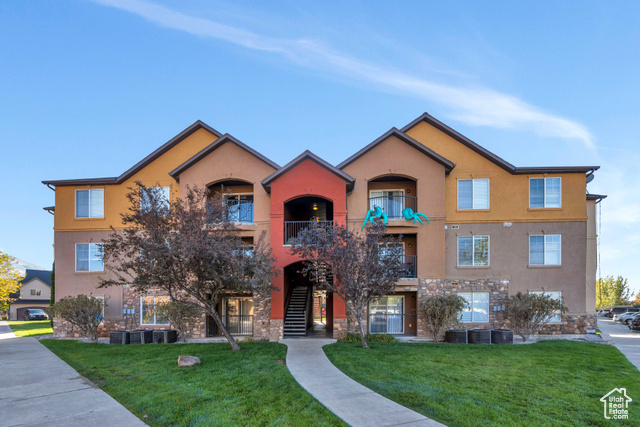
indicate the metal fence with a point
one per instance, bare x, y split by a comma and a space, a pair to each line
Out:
293, 228
393, 205
238, 324
409, 266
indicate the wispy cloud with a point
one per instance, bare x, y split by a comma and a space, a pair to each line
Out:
473, 105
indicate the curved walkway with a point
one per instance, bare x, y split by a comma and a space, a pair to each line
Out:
39, 389
349, 400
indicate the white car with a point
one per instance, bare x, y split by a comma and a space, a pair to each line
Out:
626, 317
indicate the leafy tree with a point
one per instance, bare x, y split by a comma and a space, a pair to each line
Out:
359, 271
53, 289
610, 292
527, 313
636, 300
441, 312
186, 248
179, 315
83, 312
10, 278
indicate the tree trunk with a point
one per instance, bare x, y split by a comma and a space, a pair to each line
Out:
360, 323
232, 342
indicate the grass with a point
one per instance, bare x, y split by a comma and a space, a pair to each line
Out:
547, 383
249, 387
31, 328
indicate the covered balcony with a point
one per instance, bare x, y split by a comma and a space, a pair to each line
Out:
237, 199
306, 212
393, 194
408, 256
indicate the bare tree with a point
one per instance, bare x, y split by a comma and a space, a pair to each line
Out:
357, 267
441, 312
527, 313
186, 248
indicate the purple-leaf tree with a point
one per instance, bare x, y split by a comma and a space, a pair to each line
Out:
187, 249
356, 266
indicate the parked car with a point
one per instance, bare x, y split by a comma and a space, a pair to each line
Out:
626, 317
35, 314
604, 312
618, 310
616, 317
635, 323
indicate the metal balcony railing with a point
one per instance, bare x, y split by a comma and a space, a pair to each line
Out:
238, 324
293, 228
393, 205
409, 266
392, 323
239, 211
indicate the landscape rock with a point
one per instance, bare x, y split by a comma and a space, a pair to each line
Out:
188, 361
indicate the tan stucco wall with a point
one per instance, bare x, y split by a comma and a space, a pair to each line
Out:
115, 202
395, 157
508, 194
68, 282
509, 259
25, 290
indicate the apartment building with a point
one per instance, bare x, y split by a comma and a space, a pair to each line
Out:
494, 229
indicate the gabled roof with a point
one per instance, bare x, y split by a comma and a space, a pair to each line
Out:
427, 118
448, 165
266, 183
142, 163
215, 145
42, 275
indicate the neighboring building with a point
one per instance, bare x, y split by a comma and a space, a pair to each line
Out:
494, 229
35, 292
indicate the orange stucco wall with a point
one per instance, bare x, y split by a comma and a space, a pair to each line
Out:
508, 194
115, 201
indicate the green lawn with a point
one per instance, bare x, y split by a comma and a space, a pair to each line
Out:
547, 383
249, 387
30, 328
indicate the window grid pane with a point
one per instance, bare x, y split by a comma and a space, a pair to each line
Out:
480, 194
96, 203
481, 250
552, 192
536, 250
82, 203
465, 250
536, 193
552, 249
465, 194
82, 257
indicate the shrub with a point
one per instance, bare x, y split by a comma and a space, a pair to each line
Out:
527, 313
83, 312
179, 315
368, 338
440, 313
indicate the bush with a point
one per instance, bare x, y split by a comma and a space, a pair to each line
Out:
527, 313
83, 312
369, 338
440, 313
179, 315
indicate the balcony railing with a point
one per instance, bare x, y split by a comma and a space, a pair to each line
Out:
409, 266
393, 205
238, 324
293, 228
392, 323
239, 211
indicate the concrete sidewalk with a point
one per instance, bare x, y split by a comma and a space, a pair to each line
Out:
352, 402
626, 340
38, 389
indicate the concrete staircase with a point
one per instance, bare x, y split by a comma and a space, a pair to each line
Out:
295, 323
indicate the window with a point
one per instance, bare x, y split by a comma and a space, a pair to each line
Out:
545, 250
36, 292
478, 310
239, 207
386, 315
148, 314
390, 201
473, 193
545, 192
89, 257
90, 203
556, 295
473, 251
163, 193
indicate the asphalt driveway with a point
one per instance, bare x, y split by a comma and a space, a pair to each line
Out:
626, 340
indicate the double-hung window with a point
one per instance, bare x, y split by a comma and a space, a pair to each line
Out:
545, 192
545, 250
36, 292
90, 203
148, 310
473, 193
556, 295
478, 307
89, 257
473, 251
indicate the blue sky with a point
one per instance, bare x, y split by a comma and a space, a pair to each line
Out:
91, 87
